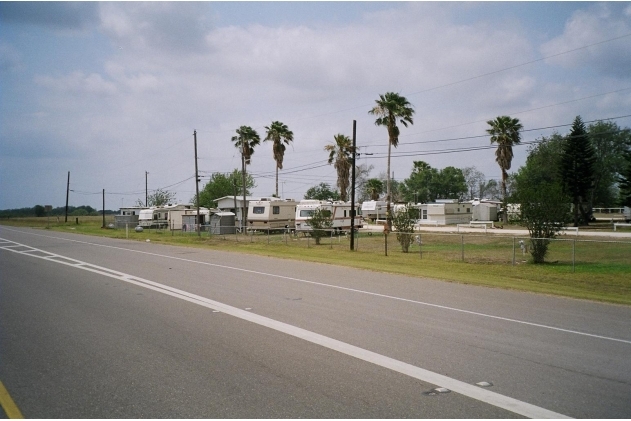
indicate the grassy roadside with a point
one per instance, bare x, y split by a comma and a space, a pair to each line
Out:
607, 282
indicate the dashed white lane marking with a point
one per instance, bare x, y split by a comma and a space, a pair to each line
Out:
471, 391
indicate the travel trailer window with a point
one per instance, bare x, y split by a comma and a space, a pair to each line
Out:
276, 210
258, 210
424, 213
305, 213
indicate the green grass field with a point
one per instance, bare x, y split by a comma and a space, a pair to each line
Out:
593, 270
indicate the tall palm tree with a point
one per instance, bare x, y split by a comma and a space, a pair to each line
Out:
505, 132
341, 152
390, 108
245, 140
279, 134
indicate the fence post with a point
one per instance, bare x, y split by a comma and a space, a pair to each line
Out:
268, 236
462, 246
513, 251
331, 241
573, 254
127, 230
420, 244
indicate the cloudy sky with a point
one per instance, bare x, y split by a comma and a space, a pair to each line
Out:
108, 91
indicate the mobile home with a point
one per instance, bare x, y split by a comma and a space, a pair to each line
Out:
272, 214
168, 216
340, 213
446, 212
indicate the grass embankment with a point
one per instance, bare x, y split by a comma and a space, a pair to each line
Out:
601, 271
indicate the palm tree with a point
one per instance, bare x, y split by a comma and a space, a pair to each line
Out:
374, 188
341, 152
505, 132
247, 138
390, 108
280, 134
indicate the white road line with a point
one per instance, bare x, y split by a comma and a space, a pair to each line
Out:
391, 297
471, 391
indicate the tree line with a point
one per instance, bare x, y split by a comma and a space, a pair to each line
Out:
40, 211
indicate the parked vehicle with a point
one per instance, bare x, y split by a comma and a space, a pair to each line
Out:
272, 214
168, 216
374, 209
340, 213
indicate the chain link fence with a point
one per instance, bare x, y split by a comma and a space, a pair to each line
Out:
463, 247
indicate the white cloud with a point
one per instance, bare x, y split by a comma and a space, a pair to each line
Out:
78, 83
593, 25
134, 109
10, 58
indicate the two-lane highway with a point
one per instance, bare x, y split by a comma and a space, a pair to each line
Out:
95, 327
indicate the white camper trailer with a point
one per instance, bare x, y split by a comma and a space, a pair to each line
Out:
271, 214
153, 217
169, 216
340, 213
374, 209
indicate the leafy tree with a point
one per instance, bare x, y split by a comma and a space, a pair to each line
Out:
374, 188
426, 184
39, 211
362, 172
403, 221
474, 179
420, 186
390, 108
450, 184
322, 192
159, 197
221, 185
625, 180
544, 207
577, 168
341, 156
505, 132
489, 190
280, 135
320, 223
610, 143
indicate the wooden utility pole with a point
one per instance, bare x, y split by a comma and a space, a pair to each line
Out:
199, 232
67, 194
244, 208
103, 209
353, 186
146, 191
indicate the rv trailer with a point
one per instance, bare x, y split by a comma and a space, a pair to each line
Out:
271, 214
168, 216
340, 213
374, 209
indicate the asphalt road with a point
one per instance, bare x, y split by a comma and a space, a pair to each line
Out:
99, 328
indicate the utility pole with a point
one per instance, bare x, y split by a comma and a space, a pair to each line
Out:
67, 194
103, 209
199, 232
146, 191
243, 210
353, 186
